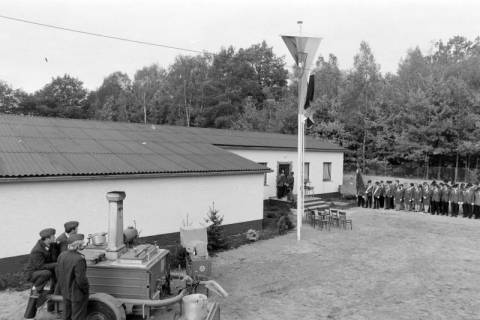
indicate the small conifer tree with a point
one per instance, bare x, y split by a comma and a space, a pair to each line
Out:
216, 240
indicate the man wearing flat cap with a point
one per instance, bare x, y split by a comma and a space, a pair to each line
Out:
41, 263
72, 279
71, 227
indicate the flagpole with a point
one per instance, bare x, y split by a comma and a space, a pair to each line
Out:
300, 160
303, 50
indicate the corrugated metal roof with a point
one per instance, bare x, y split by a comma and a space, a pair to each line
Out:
36, 146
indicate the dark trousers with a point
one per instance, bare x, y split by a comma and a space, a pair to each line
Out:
381, 201
40, 278
279, 192
454, 209
360, 201
369, 201
467, 210
75, 310
376, 203
476, 211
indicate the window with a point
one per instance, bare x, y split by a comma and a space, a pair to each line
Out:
265, 174
327, 171
306, 172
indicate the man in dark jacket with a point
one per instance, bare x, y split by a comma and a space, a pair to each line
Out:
72, 279
71, 227
41, 263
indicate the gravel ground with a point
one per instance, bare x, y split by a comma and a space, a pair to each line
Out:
392, 265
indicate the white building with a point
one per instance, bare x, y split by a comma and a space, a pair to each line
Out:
53, 170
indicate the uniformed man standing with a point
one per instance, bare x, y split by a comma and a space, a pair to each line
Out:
436, 196
41, 263
72, 279
369, 194
398, 197
468, 201
376, 195
476, 202
454, 199
71, 227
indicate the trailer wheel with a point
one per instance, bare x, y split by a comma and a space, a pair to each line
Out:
104, 307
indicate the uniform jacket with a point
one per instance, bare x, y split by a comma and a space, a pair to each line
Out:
445, 194
476, 199
72, 276
41, 258
408, 195
399, 194
436, 194
390, 191
369, 190
427, 194
377, 191
417, 195
468, 196
454, 195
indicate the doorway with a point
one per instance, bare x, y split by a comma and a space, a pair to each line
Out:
285, 166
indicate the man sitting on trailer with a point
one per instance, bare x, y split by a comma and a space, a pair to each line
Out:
72, 279
41, 263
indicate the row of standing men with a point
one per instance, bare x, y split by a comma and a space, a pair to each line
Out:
57, 260
441, 198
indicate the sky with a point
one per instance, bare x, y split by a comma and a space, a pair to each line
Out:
390, 27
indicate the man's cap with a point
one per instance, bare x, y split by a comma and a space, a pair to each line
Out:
71, 225
75, 237
47, 233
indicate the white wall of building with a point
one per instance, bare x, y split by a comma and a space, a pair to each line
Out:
159, 205
315, 159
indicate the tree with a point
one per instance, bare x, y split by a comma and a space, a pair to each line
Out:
9, 99
150, 95
62, 97
114, 100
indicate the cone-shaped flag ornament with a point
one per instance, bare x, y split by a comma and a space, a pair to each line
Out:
304, 51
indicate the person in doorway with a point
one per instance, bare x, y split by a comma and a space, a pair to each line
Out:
281, 179
290, 181
40, 268
72, 279
71, 227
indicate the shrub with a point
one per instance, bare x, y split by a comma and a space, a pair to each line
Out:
216, 241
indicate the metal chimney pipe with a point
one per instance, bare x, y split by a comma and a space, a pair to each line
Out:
115, 224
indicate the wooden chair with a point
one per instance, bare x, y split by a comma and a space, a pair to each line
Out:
323, 220
334, 218
343, 221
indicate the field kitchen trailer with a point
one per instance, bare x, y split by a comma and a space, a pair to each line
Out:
127, 279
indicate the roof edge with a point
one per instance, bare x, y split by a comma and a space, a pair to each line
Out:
339, 149
45, 178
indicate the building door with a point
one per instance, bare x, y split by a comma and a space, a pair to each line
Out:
285, 166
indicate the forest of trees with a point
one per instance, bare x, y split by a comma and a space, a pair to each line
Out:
426, 114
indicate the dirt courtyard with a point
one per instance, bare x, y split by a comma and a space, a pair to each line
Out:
393, 265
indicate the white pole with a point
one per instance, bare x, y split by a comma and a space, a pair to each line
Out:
300, 162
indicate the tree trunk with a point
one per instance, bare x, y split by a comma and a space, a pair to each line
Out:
456, 170
363, 149
466, 168
144, 109
439, 169
426, 166
187, 113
